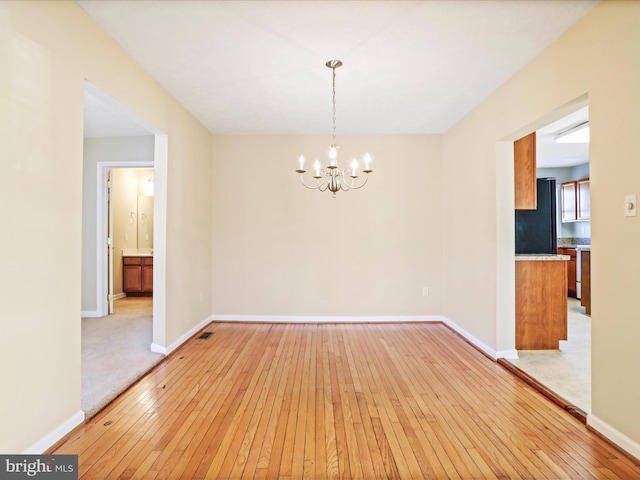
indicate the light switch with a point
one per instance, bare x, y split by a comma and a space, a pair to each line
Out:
630, 209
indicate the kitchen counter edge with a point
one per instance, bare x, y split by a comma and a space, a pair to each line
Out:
541, 257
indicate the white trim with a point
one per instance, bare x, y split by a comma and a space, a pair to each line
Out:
327, 318
508, 354
473, 340
101, 226
615, 436
90, 314
118, 296
56, 434
166, 351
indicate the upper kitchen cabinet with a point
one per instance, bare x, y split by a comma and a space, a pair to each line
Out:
583, 196
524, 155
576, 200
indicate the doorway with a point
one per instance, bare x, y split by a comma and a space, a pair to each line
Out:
567, 371
113, 135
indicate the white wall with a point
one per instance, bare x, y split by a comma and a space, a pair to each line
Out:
597, 56
282, 250
47, 50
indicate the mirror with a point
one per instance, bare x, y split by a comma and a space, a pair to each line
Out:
145, 222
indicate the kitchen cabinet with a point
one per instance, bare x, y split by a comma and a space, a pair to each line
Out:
585, 276
524, 169
576, 200
541, 302
583, 199
571, 270
137, 276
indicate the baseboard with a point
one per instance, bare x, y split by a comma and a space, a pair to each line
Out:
90, 314
614, 436
155, 348
327, 318
507, 354
480, 345
56, 434
120, 295
167, 350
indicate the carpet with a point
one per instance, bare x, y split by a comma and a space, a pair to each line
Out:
115, 353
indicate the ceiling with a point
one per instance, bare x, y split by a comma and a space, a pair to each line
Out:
258, 67
550, 153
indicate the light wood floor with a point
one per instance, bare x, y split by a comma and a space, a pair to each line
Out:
336, 401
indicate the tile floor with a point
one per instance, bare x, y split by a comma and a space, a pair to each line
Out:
567, 371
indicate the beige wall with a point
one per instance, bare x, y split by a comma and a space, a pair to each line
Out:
598, 57
282, 250
47, 49
279, 249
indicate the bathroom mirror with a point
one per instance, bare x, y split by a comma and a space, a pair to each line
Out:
145, 222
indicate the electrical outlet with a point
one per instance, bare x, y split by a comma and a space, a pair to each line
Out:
425, 291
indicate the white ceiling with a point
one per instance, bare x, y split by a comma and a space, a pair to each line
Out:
258, 66
550, 153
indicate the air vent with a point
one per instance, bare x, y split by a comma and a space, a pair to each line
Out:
205, 335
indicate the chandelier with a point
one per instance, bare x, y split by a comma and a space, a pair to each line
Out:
333, 178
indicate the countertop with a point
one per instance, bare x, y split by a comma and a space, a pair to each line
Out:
541, 257
137, 252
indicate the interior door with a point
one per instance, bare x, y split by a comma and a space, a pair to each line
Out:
109, 245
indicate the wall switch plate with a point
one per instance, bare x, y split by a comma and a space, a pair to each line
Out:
630, 208
425, 291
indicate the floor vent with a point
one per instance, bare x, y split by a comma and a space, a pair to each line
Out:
205, 335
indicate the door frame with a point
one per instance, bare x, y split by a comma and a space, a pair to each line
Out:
104, 262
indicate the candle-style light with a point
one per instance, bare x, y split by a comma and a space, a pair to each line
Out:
332, 178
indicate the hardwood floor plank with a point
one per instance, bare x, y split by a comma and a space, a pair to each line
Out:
287, 401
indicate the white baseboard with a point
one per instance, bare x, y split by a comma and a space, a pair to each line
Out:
167, 350
56, 434
120, 295
155, 348
615, 436
90, 314
473, 340
508, 354
327, 318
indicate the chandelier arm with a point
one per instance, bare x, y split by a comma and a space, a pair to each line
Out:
319, 181
353, 186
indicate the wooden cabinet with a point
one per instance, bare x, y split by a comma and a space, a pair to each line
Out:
572, 264
541, 304
576, 200
583, 199
585, 278
524, 169
137, 275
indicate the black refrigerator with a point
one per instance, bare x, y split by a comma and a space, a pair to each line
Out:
536, 229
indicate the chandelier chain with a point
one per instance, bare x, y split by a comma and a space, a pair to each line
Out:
334, 105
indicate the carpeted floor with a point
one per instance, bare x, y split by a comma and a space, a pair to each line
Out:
115, 352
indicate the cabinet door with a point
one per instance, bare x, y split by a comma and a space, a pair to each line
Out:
583, 196
569, 213
524, 169
147, 275
132, 278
